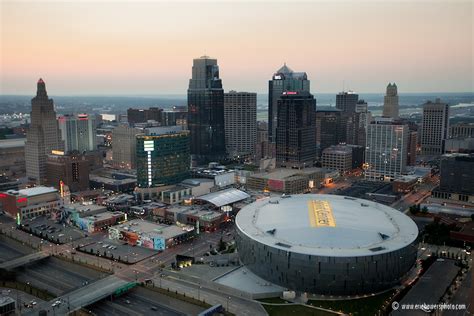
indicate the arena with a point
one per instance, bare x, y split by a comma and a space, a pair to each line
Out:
326, 244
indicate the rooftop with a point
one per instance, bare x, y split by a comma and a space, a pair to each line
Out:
224, 197
142, 227
284, 173
12, 143
327, 225
37, 191
4, 300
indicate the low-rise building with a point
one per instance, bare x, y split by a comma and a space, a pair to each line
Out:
7, 305
289, 181
175, 194
202, 219
31, 202
151, 235
100, 221
337, 157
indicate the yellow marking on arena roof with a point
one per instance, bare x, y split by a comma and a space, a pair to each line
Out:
320, 214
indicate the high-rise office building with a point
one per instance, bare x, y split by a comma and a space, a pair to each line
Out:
43, 135
143, 115
163, 156
178, 115
386, 151
390, 102
364, 117
262, 148
72, 169
240, 116
206, 111
346, 101
78, 132
296, 127
330, 129
412, 145
434, 128
283, 80
456, 179
124, 146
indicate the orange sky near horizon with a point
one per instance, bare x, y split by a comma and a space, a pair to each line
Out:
112, 47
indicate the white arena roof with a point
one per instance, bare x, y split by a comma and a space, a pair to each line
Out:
327, 225
224, 197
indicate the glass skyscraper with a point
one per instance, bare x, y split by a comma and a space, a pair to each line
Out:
206, 111
296, 130
162, 156
283, 80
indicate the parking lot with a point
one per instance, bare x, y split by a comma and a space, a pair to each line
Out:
118, 250
50, 230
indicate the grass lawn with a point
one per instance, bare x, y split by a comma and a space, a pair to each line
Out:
274, 310
364, 306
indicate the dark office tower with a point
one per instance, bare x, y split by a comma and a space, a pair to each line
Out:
296, 130
206, 111
329, 127
283, 80
390, 102
347, 101
135, 116
43, 136
72, 169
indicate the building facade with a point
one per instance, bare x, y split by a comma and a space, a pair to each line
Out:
143, 115
29, 203
206, 111
12, 157
330, 129
43, 135
346, 101
283, 80
240, 116
124, 146
78, 132
386, 150
337, 158
456, 178
461, 130
296, 130
434, 128
71, 169
163, 156
390, 102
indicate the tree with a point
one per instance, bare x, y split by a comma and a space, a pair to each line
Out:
424, 210
221, 246
472, 217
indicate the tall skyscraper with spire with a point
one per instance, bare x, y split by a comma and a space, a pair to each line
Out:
43, 136
390, 102
283, 80
206, 111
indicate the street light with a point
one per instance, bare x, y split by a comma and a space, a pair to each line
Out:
228, 299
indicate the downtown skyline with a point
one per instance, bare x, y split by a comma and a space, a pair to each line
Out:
120, 49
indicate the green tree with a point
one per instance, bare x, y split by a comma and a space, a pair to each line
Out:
424, 210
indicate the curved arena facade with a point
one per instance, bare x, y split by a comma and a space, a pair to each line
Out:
326, 244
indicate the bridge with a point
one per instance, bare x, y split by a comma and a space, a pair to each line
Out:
84, 296
23, 260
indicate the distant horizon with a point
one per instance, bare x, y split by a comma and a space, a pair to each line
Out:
258, 93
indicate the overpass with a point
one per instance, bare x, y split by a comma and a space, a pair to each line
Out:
23, 260
84, 296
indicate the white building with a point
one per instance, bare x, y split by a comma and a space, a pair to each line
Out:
434, 128
78, 132
386, 150
240, 119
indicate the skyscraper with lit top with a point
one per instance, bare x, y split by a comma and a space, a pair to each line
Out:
43, 135
206, 111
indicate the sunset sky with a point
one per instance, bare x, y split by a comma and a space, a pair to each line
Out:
146, 48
